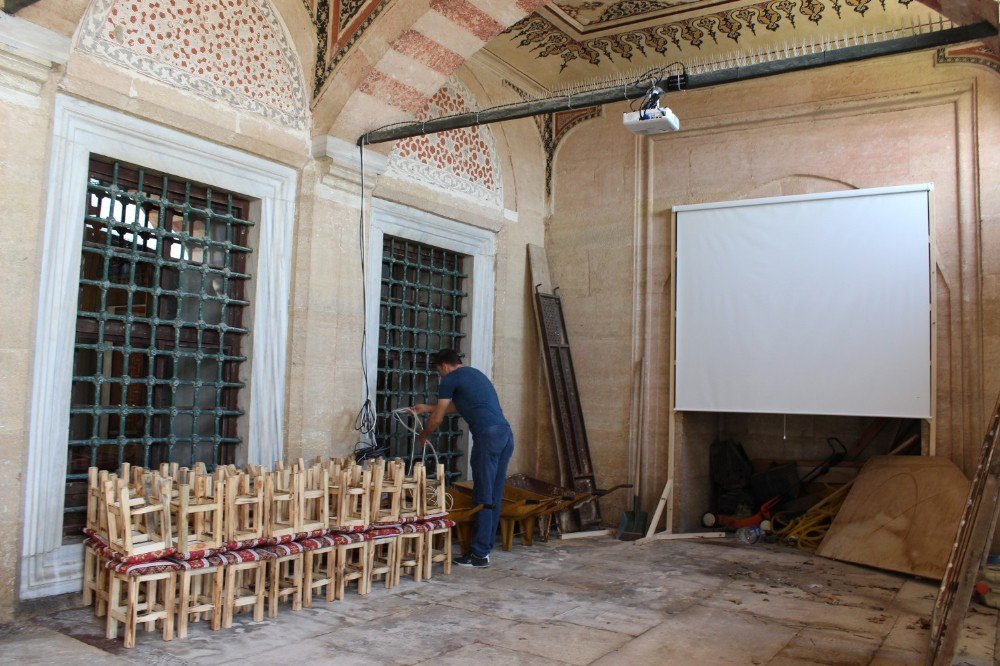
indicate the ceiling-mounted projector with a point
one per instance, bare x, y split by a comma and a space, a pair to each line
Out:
654, 120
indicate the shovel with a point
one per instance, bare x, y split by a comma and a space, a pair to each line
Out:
633, 523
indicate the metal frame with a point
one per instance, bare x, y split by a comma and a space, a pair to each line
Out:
389, 218
161, 300
422, 295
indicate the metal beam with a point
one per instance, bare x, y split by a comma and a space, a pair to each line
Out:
627, 92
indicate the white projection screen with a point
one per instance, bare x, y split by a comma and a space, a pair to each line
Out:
813, 304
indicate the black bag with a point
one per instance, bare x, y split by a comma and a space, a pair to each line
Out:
737, 503
777, 481
729, 466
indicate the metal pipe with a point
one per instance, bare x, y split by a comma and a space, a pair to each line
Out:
672, 83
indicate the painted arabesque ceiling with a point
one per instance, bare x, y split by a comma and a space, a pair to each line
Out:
572, 42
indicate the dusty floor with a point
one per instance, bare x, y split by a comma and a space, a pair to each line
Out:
578, 602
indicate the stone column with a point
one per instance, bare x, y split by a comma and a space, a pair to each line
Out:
325, 370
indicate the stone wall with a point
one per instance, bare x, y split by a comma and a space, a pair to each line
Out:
323, 373
894, 121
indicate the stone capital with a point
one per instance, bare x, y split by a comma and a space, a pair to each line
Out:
28, 54
342, 162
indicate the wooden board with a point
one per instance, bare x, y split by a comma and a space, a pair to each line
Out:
902, 514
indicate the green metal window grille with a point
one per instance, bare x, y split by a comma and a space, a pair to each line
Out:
420, 312
159, 326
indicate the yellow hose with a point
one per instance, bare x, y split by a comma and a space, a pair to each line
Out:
807, 531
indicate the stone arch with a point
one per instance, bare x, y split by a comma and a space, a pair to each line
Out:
462, 162
237, 51
798, 183
405, 57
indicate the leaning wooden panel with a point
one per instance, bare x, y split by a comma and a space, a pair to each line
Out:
975, 533
901, 514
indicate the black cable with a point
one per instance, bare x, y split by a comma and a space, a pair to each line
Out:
365, 421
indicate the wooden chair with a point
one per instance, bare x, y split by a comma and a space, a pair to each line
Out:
437, 548
245, 585
97, 516
312, 488
281, 504
411, 489
96, 578
137, 526
244, 508
410, 553
335, 490
382, 559
354, 512
136, 598
434, 496
387, 486
285, 576
320, 564
198, 515
352, 563
200, 592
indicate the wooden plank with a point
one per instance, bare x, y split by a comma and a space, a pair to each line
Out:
671, 536
585, 534
901, 514
668, 488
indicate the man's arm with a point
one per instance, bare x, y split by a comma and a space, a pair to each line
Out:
442, 407
427, 409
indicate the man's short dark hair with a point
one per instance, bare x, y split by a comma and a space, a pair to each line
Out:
446, 357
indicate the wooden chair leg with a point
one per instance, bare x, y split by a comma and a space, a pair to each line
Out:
114, 606
217, 588
331, 574
132, 612
308, 579
182, 604
447, 553
258, 609
274, 568
168, 607
229, 596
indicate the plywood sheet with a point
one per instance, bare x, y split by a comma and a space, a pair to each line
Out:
902, 514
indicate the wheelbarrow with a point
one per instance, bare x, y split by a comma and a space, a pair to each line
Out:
567, 499
462, 511
519, 506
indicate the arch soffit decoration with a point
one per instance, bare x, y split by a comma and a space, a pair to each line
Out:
391, 67
462, 162
192, 46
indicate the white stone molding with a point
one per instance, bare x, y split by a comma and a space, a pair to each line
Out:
417, 225
28, 53
34, 40
79, 130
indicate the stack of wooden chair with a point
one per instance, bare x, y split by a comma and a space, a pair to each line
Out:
171, 546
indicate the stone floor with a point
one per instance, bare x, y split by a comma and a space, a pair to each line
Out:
584, 601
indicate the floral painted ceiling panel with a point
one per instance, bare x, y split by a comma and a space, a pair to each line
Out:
234, 51
462, 162
569, 42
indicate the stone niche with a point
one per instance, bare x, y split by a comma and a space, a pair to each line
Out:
766, 438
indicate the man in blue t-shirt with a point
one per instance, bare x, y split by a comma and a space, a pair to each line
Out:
470, 393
